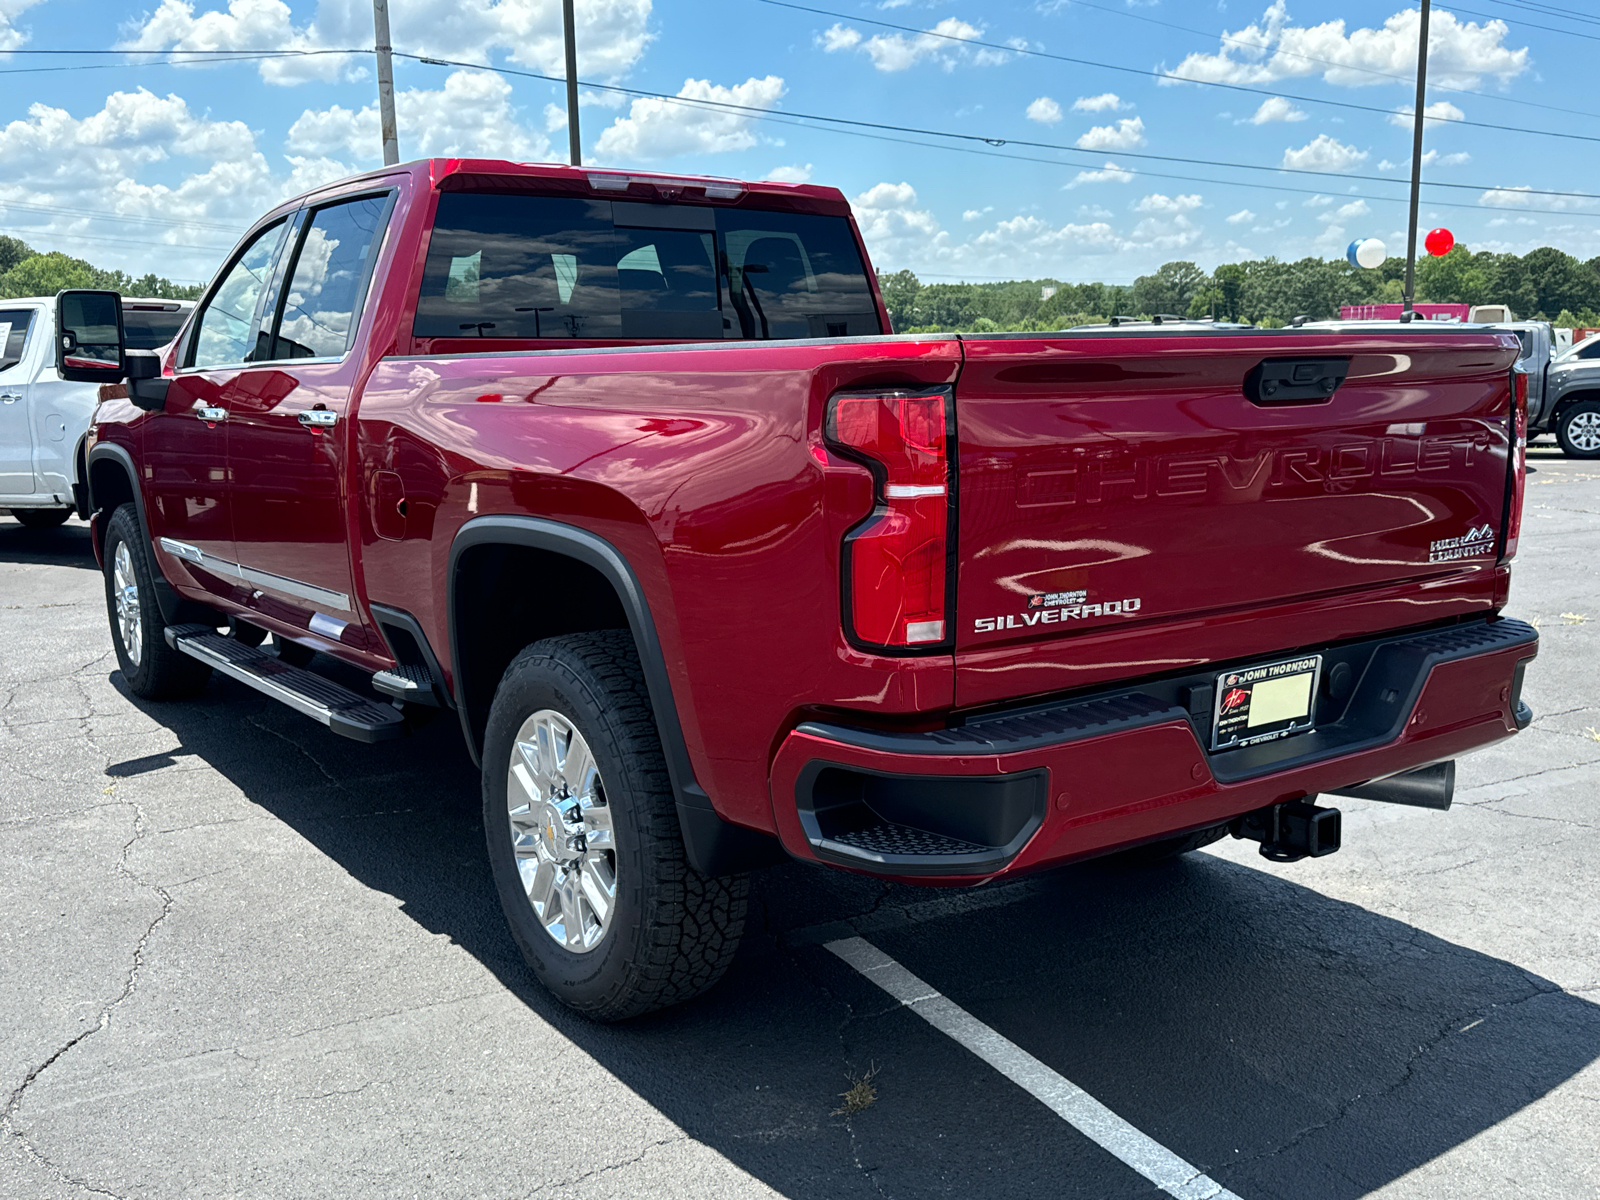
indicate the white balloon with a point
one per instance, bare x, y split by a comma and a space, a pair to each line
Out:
1371, 253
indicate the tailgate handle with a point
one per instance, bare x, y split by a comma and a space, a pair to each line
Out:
1295, 380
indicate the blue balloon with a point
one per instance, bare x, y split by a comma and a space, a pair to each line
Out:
1350, 254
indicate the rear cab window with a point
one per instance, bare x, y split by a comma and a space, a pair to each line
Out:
151, 326
543, 268
14, 326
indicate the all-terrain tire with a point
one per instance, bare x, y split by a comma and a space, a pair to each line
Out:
1154, 852
153, 669
1578, 430
672, 931
41, 518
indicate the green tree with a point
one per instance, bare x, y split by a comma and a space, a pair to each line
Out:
900, 297
1558, 280
47, 274
12, 251
1456, 278
1169, 290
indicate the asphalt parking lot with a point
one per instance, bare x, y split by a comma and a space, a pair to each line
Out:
244, 957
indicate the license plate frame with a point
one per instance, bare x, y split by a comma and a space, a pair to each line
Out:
1230, 718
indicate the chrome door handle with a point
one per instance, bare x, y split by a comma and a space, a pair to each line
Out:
210, 415
319, 418
9, 397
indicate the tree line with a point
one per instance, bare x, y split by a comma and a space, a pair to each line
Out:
25, 272
1544, 284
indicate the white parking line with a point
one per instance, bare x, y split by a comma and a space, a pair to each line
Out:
1069, 1101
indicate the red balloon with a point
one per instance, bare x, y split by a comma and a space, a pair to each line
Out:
1439, 242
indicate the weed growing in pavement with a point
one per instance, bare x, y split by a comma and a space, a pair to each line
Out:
860, 1095
1592, 734
1574, 618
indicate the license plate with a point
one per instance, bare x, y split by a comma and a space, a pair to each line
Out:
1261, 704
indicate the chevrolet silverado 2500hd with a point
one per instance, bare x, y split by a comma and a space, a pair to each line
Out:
630, 474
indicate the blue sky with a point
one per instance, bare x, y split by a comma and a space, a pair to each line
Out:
158, 167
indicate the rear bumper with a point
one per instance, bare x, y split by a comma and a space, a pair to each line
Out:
1031, 787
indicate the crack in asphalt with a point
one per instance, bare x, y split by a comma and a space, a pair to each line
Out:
546, 1188
8, 1115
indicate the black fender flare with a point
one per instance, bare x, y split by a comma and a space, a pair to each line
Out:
714, 846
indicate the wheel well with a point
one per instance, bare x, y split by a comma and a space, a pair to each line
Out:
109, 488
1572, 398
508, 597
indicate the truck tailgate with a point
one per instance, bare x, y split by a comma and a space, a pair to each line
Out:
1120, 482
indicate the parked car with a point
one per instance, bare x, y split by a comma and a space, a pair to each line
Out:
43, 417
631, 475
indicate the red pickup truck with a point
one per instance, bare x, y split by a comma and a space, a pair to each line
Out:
630, 474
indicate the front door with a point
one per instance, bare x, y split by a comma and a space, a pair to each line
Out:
187, 487
16, 433
290, 440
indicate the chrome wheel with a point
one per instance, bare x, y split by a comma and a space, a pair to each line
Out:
561, 831
125, 589
1583, 431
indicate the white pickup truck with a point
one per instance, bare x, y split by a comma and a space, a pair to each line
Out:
43, 417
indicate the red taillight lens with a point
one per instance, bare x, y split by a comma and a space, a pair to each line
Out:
896, 561
1519, 463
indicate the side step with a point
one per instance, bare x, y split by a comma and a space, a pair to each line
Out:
340, 709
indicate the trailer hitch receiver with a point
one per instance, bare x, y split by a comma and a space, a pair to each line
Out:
1291, 831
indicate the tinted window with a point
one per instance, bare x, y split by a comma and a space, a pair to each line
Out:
541, 267
1592, 350
329, 275
224, 331
150, 328
14, 325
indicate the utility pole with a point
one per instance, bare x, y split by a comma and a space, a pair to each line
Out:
385, 55
573, 140
1416, 162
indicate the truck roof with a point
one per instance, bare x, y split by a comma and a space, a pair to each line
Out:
476, 174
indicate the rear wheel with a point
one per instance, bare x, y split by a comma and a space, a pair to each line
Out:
41, 518
583, 836
153, 669
1578, 430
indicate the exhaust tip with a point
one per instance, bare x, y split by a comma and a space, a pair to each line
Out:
1433, 786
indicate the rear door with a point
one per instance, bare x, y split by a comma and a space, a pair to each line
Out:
16, 371
1111, 482
289, 436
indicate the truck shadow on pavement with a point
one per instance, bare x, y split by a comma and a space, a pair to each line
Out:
1287, 1044
67, 545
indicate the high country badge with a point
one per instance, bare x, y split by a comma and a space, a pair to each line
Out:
1477, 540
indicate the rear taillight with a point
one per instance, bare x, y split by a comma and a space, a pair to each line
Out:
896, 562
1519, 463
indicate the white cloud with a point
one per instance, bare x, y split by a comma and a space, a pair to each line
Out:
10, 36
1110, 173
656, 129
1430, 158
470, 116
1242, 217
1276, 109
1432, 115
1507, 197
1104, 102
1124, 135
1323, 153
901, 51
1155, 202
977, 214
900, 233
1346, 212
793, 174
1044, 110
1460, 54
612, 34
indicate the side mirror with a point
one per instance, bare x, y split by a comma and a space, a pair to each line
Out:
90, 346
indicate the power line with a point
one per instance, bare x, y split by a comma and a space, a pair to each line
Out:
1169, 77
54, 210
94, 237
1529, 25
185, 62
1546, 10
767, 114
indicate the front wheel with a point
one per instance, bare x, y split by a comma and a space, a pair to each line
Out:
1578, 430
583, 836
153, 669
41, 518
